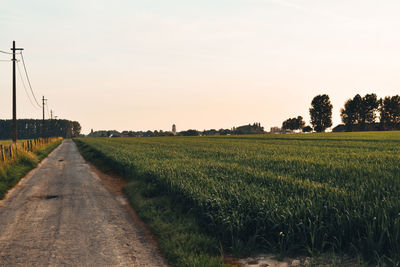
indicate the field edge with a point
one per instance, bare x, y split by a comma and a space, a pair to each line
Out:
179, 236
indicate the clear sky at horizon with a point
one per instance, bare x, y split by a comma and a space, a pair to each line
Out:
144, 65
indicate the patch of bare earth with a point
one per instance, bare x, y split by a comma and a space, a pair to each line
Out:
270, 260
265, 260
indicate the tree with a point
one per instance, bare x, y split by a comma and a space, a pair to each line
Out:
300, 123
76, 129
390, 112
307, 129
359, 111
293, 123
350, 114
287, 124
321, 113
368, 109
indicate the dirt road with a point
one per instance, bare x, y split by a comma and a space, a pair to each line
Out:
61, 214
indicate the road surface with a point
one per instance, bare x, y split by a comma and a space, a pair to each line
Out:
61, 214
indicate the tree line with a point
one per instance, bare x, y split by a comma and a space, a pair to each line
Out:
31, 129
358, 114
254, 128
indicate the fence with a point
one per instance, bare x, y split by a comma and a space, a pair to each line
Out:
11, 152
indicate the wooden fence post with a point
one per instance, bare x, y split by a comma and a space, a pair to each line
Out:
11, 152
3, 156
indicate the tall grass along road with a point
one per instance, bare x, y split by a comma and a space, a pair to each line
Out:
61, 214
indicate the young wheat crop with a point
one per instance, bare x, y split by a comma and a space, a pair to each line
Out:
298, 192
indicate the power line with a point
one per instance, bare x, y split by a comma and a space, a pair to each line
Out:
23, 84
8, 53
29, 82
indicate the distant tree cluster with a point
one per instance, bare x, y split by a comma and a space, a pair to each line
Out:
320, 114
389, 109
217, 132
190, 132
294, 124
360, 113
212, 132
30, 128
254, 128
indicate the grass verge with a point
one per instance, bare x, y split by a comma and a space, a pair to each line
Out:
10, 174
181, 240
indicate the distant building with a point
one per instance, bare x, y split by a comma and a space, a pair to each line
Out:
276, 130
174, 129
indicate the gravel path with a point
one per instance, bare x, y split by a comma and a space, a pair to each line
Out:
61, 214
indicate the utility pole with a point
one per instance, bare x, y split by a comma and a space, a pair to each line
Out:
14, 80
51, 114
43, 103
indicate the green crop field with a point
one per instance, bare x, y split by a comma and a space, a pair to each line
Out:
302, 193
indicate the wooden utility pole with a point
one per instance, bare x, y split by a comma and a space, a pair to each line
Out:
43, 103
15, 135
51, 114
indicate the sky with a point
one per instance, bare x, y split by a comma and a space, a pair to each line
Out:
145, 65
